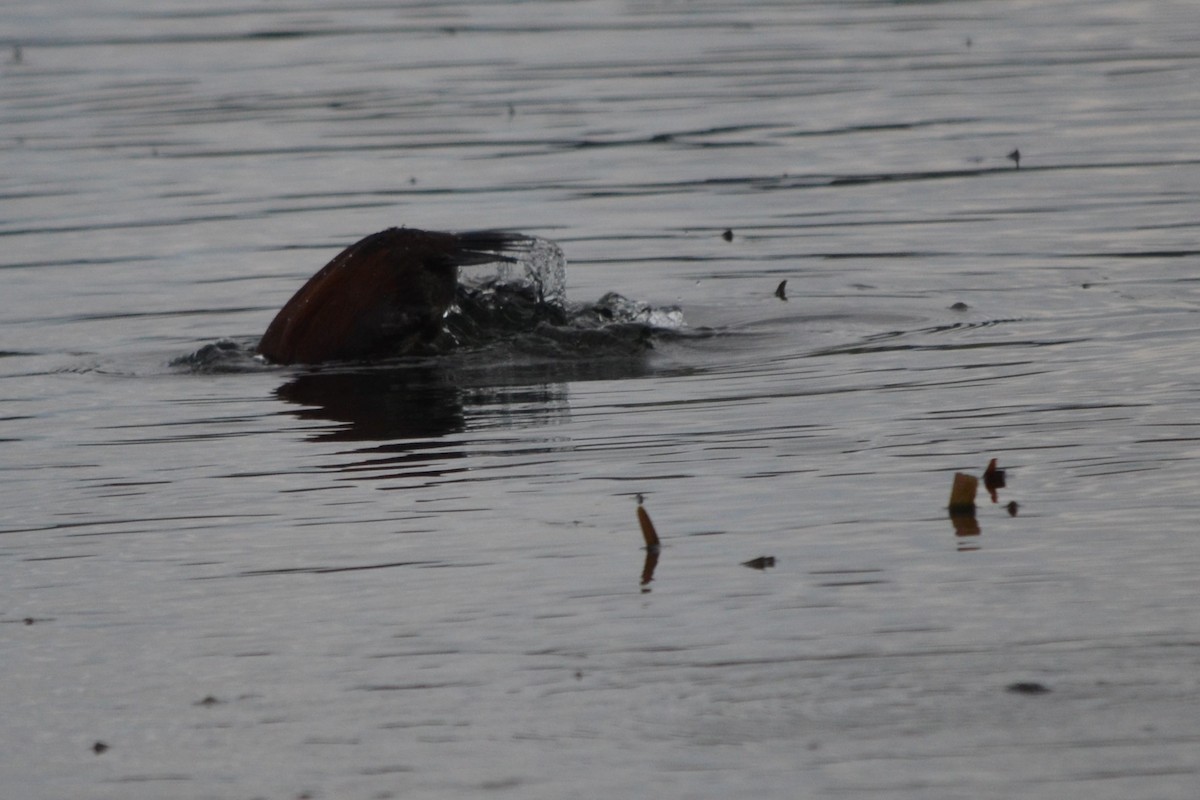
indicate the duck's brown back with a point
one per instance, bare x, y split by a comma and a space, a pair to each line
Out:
380, 296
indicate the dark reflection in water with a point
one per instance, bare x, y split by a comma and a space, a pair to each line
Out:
411, 408
406, 412
648, 567
408, 408
966, 530
377, 405
495, 387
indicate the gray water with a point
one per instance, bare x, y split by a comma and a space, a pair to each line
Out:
427, 580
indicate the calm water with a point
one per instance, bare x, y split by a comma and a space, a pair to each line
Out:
426, 581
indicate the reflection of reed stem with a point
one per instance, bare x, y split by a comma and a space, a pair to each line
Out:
648, 567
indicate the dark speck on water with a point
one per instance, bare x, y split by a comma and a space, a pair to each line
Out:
1027, 687
393, 565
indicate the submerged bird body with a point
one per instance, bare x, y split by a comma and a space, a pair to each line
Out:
381, 296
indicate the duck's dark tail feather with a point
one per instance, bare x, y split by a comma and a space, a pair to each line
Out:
486, 247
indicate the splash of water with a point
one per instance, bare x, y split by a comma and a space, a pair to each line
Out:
544, 267
615, 307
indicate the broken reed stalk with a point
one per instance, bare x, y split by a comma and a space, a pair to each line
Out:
962, 494
648, 532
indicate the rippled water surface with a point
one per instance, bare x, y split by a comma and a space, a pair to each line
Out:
426, 578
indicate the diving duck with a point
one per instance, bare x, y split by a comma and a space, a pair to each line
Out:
385, 295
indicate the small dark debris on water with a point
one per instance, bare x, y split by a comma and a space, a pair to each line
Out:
1015, 157
761, 563
29, 620
781, 290
1012, 508
994, 478
959, 306
727, 235
1026, 687
99, 747
208, 701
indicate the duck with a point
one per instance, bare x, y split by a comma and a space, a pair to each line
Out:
385, 295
